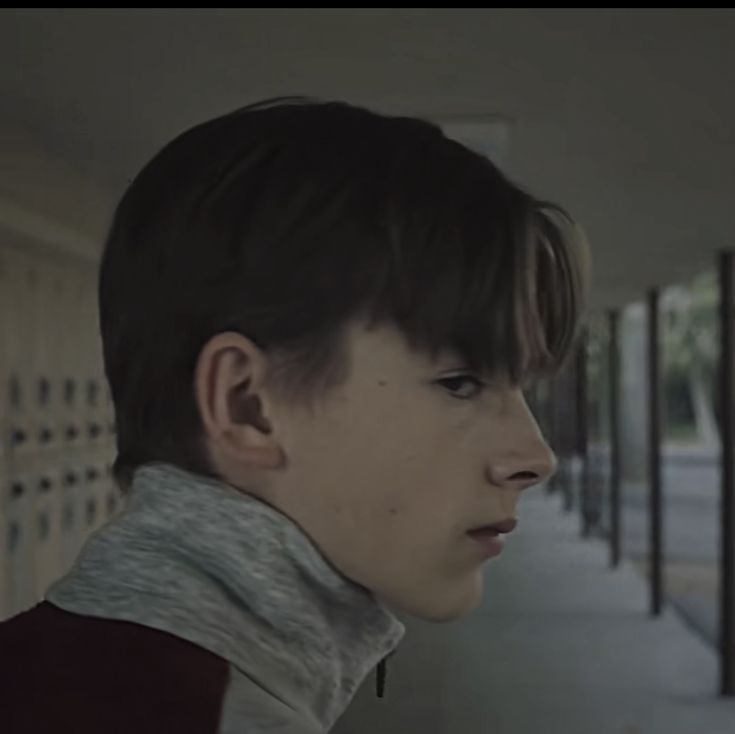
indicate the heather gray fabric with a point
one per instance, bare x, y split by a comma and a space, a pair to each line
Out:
201, 560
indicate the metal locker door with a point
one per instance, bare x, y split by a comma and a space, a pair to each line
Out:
65, 386
21, 569
99, 410
47, 529
74, 388
33, 334
4, 433
106, 507
7, 349
91, 351
61, 414
94, 406
19, 316
52, 337
92, 511
72, 528
94, 411
77, 436
19, 324
5, 610
110, 428
38, 345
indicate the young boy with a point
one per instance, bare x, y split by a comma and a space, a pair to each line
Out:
317, 325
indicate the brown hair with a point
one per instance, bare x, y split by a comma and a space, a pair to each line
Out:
286, 220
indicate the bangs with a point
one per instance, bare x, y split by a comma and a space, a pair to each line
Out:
488, 273
548, 294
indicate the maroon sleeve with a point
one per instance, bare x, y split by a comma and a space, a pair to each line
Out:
63, 673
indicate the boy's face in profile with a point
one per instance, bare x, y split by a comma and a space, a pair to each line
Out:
391, 471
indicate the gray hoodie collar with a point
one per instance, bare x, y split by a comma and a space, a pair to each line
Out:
199, 559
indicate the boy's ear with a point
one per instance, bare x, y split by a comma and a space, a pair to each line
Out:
228, 382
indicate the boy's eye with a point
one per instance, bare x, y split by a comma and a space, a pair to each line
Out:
457, 382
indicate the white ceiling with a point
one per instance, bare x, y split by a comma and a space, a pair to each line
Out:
624, 116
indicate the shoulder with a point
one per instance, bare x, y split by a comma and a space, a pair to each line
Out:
105, 675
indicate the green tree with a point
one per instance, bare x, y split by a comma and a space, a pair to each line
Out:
690, 342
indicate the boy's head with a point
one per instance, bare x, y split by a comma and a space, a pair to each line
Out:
336, 311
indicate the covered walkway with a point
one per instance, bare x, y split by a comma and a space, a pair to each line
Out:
561, 644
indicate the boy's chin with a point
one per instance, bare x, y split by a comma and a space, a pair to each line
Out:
441, 609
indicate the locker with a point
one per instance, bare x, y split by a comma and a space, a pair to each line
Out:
111, 429
95, 411
5, 352
29, 333
96, 510
106, 501
72, 527
93, 406
52, 341
72, 431
93, 506
47, 529
4, 430
18, 312
20, 309
56, 422
73, 361
5, 610
19, 530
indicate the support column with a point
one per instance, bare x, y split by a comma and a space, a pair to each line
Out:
614, 412
654, 455
727, 433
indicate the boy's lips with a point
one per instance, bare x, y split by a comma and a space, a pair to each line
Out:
503, 527
489, 536
490, 541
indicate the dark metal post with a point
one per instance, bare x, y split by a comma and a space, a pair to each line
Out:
614, 408
654, 455
727, 432
565, 432
552, 393
581, 431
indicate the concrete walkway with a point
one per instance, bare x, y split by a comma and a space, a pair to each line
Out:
560, 645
